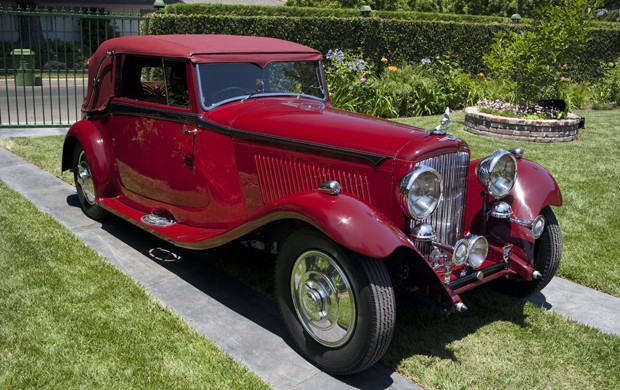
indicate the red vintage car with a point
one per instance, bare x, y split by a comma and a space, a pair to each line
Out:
205, 139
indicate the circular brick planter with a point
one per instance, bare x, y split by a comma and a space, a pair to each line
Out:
548, 130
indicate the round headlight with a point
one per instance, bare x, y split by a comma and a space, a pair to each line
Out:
478, 249
538, 226
420, 192
498, 173
459, 254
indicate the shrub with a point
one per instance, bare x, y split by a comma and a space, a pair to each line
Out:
532, 61
403, 36
607, 89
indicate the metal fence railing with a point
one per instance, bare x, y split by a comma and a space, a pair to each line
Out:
43, 61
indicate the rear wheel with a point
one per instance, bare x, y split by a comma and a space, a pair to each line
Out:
338, 306
547, 254
84, 184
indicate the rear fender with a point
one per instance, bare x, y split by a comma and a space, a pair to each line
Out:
86, 134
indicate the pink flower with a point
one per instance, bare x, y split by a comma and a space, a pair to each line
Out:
363, 79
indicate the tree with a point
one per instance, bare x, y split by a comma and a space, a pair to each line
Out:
533, 61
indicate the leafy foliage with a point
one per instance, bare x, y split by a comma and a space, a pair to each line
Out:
532, 61
607, 89
401, 36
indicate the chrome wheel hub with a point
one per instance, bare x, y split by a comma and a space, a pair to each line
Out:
85, 180
323, 298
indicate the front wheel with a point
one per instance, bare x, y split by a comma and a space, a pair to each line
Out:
338, 306
547, 255
84, 184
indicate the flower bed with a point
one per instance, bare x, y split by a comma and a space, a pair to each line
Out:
547, 130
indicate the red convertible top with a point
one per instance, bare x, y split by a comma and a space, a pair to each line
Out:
196, 48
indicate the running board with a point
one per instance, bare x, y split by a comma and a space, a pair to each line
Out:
173, 232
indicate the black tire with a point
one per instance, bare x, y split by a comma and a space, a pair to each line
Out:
338, 306
84, 184
547, 255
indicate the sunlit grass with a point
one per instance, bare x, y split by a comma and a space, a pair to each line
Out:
69, 319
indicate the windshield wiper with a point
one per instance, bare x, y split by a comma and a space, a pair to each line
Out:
308, 88
252, 93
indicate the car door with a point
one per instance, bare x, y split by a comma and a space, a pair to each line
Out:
152, 134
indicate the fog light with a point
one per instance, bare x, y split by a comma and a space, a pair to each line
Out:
478, 249
459, 255
538, 226
501, 210
423, 232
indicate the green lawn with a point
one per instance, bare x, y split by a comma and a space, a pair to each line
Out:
500, 342
69, 319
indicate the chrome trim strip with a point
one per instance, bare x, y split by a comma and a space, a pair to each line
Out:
189, 118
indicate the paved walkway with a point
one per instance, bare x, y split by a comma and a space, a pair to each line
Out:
241, 321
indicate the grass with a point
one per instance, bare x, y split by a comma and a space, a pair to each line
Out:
500, 342
69, 319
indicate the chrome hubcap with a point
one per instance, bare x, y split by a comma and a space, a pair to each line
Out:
85, 180
323, 298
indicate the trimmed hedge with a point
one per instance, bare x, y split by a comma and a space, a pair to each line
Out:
310, 12
399, 40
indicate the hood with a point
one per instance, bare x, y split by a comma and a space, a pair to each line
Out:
319, 124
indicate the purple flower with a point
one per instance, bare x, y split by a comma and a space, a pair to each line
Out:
426, 61
335, 55
363, 79
357, 65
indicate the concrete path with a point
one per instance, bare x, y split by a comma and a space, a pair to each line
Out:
241, 321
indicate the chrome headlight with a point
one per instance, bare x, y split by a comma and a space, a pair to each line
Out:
460, 252
478, 250
538, 226
420, 191
473, 249
498, 173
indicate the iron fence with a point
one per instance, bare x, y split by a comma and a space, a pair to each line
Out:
43, 61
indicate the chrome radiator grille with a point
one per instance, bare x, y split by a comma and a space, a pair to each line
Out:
447, 220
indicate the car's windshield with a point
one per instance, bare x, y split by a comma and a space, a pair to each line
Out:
221, 82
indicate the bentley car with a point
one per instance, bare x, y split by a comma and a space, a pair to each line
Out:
205, 139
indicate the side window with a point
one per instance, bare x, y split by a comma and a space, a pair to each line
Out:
155, 80
176, 77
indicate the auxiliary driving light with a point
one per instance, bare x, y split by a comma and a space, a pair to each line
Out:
538, 226
460, 252
478, 249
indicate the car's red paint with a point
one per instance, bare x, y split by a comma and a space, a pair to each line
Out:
228, 170
92, 140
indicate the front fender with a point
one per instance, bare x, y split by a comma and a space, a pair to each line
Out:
534, 189
86, 134
362, 229
347, 220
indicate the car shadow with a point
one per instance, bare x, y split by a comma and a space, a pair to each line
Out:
242, 279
